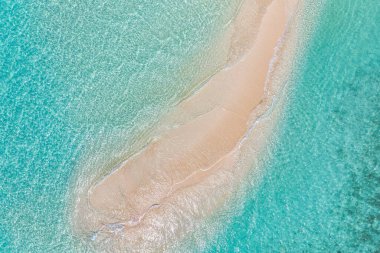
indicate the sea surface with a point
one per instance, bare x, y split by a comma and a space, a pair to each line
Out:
321, 188
85, 79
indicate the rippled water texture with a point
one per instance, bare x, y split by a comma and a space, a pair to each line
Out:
84, 77
321, 190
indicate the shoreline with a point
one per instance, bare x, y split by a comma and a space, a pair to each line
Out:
216, 119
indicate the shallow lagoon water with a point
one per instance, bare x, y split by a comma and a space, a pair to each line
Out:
61, 80
80, 79
321, 188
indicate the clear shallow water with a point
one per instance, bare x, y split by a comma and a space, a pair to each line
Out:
65, 86
82, 77
321, 188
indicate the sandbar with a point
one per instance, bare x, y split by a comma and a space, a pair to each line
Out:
213, 122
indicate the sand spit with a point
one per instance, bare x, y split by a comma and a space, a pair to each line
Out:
154, 197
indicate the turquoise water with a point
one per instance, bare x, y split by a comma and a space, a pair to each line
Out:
321, 189
73, 74
79, 77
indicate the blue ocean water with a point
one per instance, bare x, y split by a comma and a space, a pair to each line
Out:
73, 72
321, 188
72, 75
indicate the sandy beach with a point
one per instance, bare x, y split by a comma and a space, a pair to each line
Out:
146, 188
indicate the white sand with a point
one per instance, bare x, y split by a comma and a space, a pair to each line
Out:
144, 189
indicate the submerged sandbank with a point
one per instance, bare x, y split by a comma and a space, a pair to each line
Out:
150, 197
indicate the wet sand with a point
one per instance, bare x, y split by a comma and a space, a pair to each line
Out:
213, 122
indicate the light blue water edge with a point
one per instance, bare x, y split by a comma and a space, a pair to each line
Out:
79, 77
321, 190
